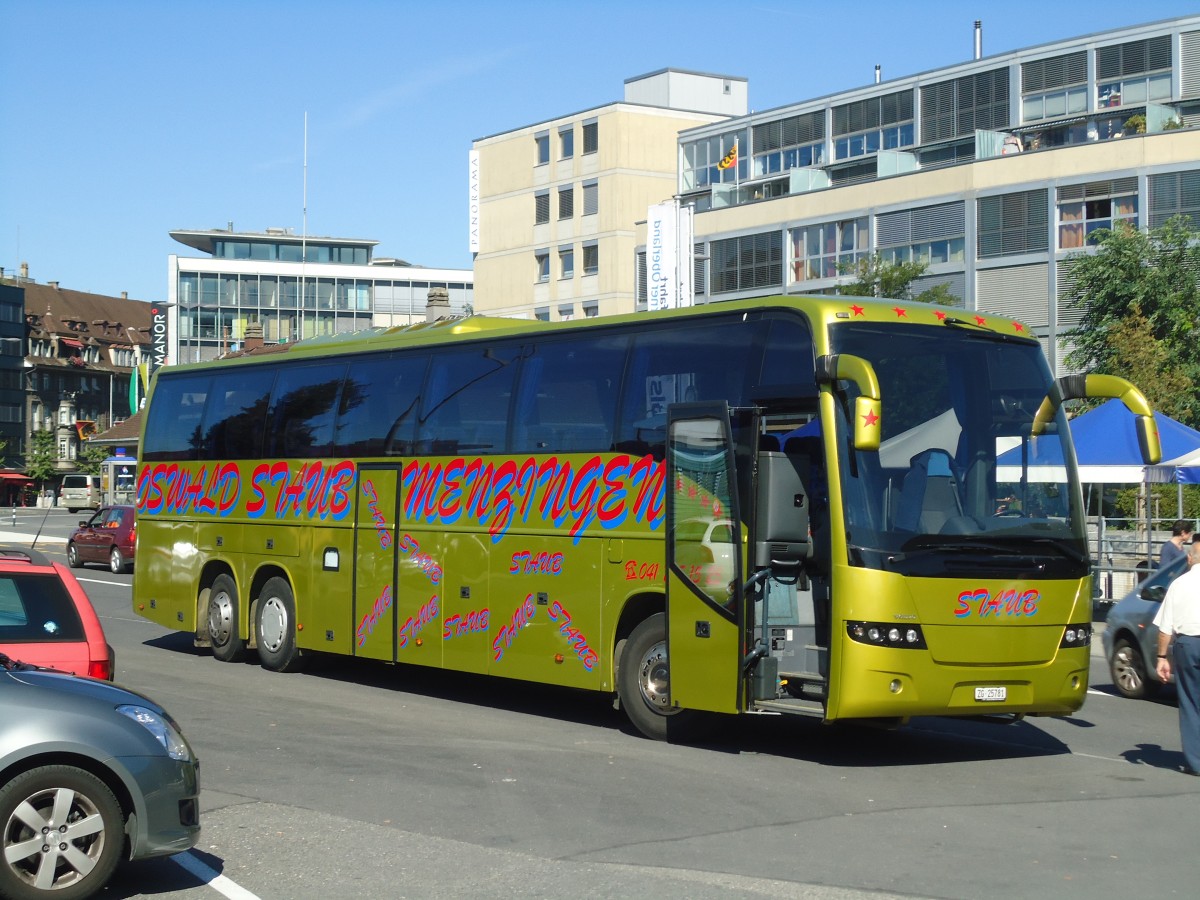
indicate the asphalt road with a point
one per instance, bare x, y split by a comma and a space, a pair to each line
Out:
364, 780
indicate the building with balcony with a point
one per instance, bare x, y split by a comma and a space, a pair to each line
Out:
293, 287
993, 172
555, 204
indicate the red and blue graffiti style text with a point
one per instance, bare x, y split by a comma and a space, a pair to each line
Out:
423, 562
469, 623
575, 638
371, 619
525, 562
414, 624
495, 494
521, 617
1011, 602
377, 516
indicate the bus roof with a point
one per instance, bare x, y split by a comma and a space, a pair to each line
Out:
819, 308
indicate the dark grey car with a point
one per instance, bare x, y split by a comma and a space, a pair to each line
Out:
1130, 638
90, 774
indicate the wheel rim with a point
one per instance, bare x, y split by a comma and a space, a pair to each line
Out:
53, 839
272, 624
220, 618
654, 679
72, 555
1127, 670
115, 562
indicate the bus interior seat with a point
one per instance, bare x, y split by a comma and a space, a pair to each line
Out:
929, 495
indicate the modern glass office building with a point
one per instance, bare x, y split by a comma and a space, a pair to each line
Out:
294, 287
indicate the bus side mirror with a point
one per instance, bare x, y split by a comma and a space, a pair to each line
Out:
1072, 387
835, 367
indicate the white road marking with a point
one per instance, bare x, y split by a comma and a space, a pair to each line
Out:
213, 878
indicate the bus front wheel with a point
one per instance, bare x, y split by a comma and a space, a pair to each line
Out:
227, 645
643, 684
275, 627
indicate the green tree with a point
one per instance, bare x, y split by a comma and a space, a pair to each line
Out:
92, 457
875, 278
41, 462
1141, 311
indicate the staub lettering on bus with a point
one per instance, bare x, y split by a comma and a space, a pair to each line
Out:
575, 495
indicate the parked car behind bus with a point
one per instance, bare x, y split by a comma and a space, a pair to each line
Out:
80, 492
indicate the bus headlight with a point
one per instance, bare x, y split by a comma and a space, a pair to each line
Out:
883, 634
1076, 636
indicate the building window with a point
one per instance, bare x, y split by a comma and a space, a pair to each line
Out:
1052, 87
1133, 72
591, 258
1174, 194
590, 137
566, 143
542, 258
791, 143
541, 207
566, 203
1087, 208
748, 262
929, 235
826, 250
591, 309
542, 147
1012, 224
566, 262
958, 107
566, 312
702, 160
542, 313
874, 124
591, 198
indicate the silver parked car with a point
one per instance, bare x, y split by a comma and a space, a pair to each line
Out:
90, 774
1130, 638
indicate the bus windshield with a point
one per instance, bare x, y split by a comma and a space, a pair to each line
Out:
960, 482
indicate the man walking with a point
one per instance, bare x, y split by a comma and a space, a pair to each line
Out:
1181, 534
1178, 622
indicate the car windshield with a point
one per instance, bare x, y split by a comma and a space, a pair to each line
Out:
36, 609
960, 481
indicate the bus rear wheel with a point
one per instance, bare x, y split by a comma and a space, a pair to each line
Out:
643, 685
275, 627
227, 644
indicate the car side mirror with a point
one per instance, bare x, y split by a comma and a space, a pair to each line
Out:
1153, 593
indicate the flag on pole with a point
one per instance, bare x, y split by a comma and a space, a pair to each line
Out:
729, 160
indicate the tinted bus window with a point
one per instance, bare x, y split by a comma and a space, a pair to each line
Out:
173, 420
377, 412
568, 397
465, 407
303, 411
714, 360
235, 412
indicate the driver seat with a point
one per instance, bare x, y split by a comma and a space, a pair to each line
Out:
929, 496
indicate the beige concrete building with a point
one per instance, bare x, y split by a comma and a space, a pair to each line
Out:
555, 204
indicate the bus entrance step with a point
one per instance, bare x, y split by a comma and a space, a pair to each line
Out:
792, 706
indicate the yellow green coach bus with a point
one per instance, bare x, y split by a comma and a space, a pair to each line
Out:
837, 507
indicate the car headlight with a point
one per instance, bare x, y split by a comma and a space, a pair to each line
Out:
163, 730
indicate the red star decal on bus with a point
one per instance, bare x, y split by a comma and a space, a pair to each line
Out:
1018, 326
900, 313
980, 320
940, 316
857, 310
870, 418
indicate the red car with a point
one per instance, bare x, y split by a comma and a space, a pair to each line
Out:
108, 537
47, 620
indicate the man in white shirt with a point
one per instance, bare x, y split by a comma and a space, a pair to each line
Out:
1178, 622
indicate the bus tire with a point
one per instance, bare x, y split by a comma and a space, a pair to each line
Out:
227, 644
275, 627
643, 683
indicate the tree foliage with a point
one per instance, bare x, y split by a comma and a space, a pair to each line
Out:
92, 457
1141, 312
875, 278
42, 459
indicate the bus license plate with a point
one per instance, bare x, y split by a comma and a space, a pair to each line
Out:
991, 694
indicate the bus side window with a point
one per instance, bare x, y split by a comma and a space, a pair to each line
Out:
377, 413
567, 401
302, 411
234, 415
465, 406
174, 418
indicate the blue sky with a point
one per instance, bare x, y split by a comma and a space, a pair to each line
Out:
121, 121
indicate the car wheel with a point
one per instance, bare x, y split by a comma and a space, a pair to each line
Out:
227, 645
1128, 670
643, 683
116, 561
73, 559
63, 834
275, 627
